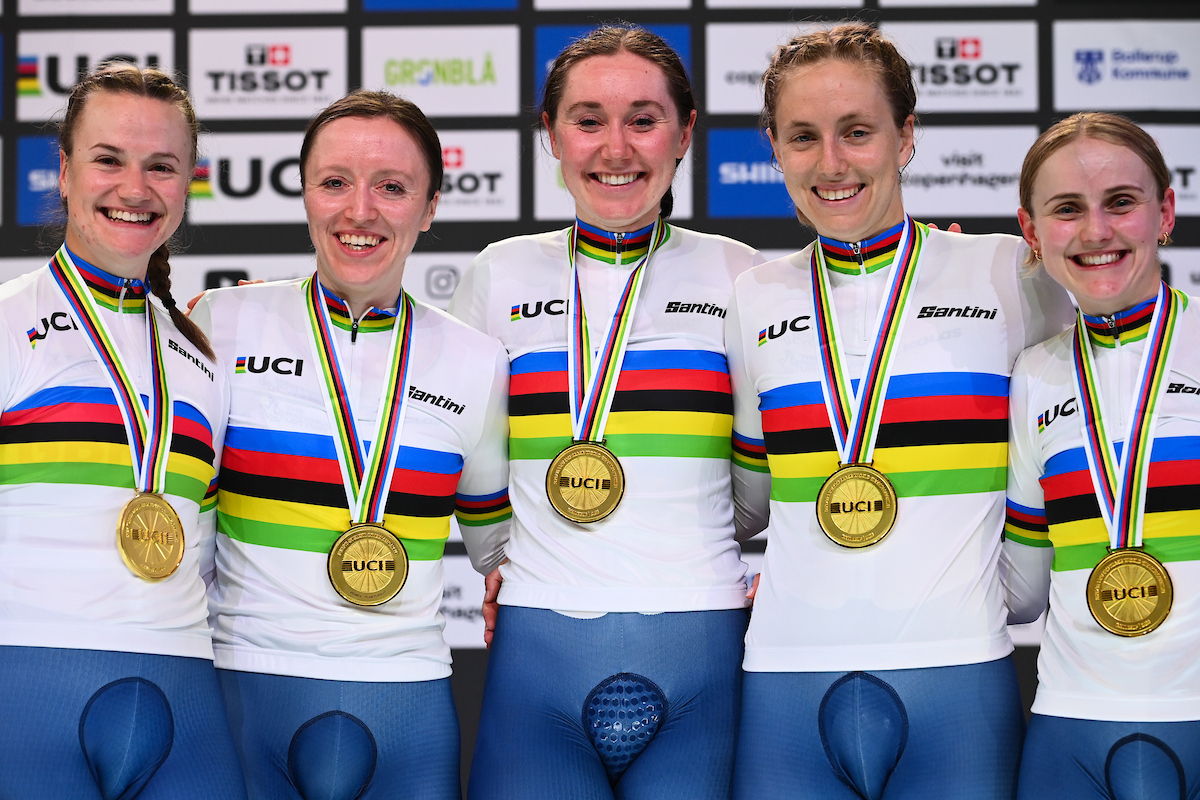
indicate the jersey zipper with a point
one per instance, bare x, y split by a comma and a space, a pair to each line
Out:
620, 236
856, 248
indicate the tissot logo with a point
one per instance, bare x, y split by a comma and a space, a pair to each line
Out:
254, 73
275, 55
531, 310
978, 66
1060, 410
795, 325
480, 180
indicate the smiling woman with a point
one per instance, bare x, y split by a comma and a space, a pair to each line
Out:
108, 440
1104, 503
874, 440
337, 492
623, 583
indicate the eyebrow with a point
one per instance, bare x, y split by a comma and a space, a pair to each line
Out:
636, 104
1058, 198
119, 151
842, 120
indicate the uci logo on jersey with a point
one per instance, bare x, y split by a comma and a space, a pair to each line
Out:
795, 325
552, 307
58, 321
1060, 410
259, 364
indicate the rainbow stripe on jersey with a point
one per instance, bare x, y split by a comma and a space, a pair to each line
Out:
284, 489
668, 403
75, 435
1071, 522
940, 433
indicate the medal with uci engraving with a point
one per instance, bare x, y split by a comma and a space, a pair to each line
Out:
1130, 592
150, 536
585, 481
857, 505
367, 564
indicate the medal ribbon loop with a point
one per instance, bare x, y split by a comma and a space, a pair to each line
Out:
148, 429
366, 473
854, 417
1120, 483
593, 378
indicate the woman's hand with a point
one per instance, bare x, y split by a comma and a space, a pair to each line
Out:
491, 608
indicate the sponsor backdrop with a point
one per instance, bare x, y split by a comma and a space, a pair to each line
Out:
990, 74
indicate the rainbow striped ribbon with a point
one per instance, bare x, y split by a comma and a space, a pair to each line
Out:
148, 430
366, 474
1120, 483
593, 377
855, 417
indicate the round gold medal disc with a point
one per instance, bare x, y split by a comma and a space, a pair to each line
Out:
367, 565
150, 537
856, 506
585, 482
1129, 592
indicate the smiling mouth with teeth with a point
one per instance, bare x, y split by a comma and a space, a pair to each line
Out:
617, 180
1098, 259
118, 215
838, 194
357, 242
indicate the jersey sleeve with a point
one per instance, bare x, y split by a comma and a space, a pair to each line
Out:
470, 299
750, 474
482, 506
1027, 552
1045, 306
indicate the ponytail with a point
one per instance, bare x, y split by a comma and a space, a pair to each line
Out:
158, 275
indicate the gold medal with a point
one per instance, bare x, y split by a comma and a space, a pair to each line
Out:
856, 506
150, 537
1129, 592
367, 565
585, 482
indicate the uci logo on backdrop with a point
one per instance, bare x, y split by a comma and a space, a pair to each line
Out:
275, 73
247, 178
49, 63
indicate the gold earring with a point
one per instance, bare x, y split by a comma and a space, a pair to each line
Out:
1037, 255
1165, 240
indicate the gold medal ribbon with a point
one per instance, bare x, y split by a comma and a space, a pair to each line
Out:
1120, 482
366, 473
854, 416
147, 429
593, 377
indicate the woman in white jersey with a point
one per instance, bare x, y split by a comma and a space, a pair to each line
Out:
1104, 477
614, 662
360, 422
870, 374
112, 418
